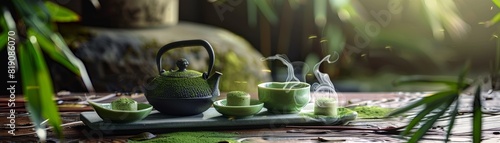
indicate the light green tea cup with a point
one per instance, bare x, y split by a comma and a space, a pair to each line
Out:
284, 97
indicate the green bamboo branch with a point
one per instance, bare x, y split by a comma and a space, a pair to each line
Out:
435, 105
33, 38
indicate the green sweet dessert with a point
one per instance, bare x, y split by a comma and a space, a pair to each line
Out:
326, 107
238, 98
125, 104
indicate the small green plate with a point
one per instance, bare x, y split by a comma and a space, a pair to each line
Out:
238, 111
119, 116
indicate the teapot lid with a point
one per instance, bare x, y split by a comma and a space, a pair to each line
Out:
182, 72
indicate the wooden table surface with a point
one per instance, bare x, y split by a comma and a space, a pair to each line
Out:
461, 133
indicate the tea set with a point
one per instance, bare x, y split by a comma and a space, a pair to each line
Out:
186, 92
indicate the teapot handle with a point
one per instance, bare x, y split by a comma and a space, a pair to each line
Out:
187, 43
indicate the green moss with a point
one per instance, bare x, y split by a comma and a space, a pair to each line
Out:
241, 72
234, 74
192, 137
371, 111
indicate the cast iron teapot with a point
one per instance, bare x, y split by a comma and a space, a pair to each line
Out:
183, 92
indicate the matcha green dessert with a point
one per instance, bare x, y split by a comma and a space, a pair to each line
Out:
326, 107
125, 104
238, 98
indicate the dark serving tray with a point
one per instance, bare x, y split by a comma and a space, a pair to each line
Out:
209, 120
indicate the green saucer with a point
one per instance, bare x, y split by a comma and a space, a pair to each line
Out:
238, 111
119, 116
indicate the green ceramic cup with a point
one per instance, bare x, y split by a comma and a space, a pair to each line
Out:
284, 97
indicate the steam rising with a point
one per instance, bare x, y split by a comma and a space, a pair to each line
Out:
323, 88
291, 78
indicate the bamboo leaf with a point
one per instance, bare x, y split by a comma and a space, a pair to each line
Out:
453, 116
493, 20
44, 32
439, 96
61, 14
59, 42
417, 119
54, 52
42, 11
7, 23
30, 9
30, 85
429, 107
31, 19
440, 103
496, 2
428, 124
477, 116
46, 93
406, 108
460, 86
4, 34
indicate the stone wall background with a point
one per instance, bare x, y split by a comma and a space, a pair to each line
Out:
122, 60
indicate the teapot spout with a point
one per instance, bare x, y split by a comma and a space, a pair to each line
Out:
213, 82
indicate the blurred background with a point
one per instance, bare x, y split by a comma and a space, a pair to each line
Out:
374, 42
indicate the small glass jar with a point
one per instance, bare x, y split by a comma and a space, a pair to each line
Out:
326, 103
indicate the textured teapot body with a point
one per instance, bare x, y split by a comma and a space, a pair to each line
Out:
183, 92
168, 86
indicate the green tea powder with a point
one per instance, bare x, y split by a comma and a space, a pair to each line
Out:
371, 111
193, 137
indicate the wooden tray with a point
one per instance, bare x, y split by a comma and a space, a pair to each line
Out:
209, 120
